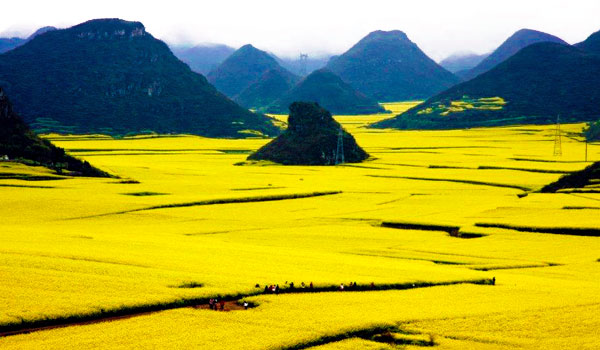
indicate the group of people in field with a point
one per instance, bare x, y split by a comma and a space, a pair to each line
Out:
216, 304
353, 286
219, 305
275, 289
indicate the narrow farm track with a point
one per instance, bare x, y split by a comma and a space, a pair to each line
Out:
231, 304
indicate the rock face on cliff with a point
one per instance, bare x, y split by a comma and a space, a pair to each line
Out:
311, 139
19, 143
329, 91
111, 76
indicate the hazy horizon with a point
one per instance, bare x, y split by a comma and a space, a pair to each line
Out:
322, 28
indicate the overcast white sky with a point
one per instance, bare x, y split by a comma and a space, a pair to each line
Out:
287, 28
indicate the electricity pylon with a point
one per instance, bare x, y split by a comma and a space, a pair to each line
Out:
339, 154
303, 61
557, 139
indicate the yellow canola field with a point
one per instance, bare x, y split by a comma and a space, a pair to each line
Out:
78, 246
288, 320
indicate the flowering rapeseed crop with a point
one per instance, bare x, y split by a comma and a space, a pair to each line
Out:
80, 246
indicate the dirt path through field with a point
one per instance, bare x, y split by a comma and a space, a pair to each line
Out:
229, 306
232, 304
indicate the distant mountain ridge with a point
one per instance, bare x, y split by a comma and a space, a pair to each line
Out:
534, 86
461, 62
329, 91
252, 77
111, 76
241, 69
519, 40
7, 44
41, 31
203, 58
300, 68
591, 44
273, 84
389, 67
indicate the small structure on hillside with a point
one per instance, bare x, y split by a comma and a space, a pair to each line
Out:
313, 137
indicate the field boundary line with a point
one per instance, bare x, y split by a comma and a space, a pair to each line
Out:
469, 182
217, 202
571, 231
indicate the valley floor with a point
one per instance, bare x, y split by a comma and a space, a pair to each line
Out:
190, 220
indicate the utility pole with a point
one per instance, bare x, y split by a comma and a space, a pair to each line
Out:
339, 154
557, 139
303, 62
